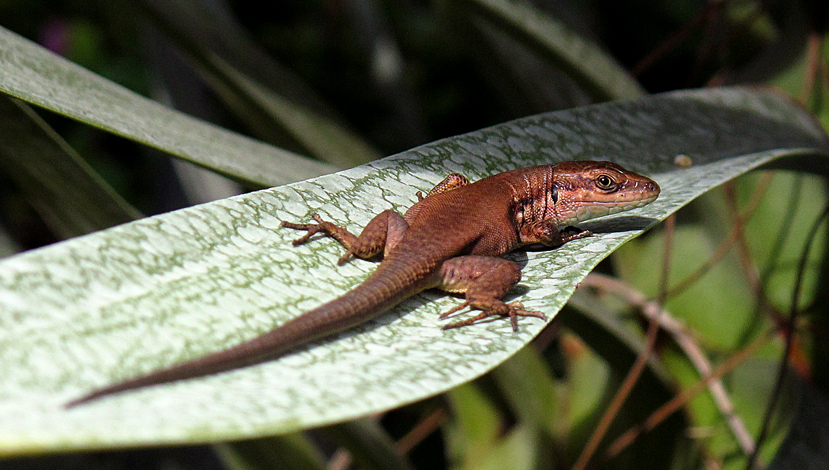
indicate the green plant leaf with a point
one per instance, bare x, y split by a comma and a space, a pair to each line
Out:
277, 105
528, 386
474, 427
807, 445
161, 290
369, 444
35, 75
518, 450
293, 451
8, 246
598, 324
72, 199
591, 67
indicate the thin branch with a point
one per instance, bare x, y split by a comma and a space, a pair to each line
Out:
719, 79
725, 245
773, 257
686, 342
814, 59
425, 427
784, 363
757, 281
638, 367
686, 395
340, 460
707, 12
750, 270
707, 44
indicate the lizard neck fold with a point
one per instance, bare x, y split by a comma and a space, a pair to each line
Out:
534, 195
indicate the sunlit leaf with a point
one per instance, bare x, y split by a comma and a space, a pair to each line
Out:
165, 289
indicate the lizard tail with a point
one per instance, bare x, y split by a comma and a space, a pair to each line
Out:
379, 293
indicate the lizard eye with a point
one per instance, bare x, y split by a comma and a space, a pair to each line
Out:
605, 182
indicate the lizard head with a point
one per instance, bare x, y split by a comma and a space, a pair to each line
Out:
583, 190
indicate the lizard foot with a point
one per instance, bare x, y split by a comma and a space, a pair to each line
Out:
312, 229
512, 310
573, 233
381, 233
327, 228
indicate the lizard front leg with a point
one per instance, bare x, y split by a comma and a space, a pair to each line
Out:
547, 233
483, 280
381, 234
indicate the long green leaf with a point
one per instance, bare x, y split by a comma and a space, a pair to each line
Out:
807, 445
369, 445
72, 199
35, 75
293, 451
162, 290
281, 108
591, 67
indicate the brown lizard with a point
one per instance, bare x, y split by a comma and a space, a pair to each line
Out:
452, 239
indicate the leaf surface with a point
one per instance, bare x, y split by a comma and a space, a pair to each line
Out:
161, 290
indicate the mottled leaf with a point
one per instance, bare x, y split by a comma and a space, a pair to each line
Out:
147, 294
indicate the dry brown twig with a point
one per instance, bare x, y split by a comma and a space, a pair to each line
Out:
686, 342
638, 366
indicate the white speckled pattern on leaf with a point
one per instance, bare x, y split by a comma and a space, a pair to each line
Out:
134, 298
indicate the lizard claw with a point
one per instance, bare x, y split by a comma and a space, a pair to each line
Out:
517, 310
452, 311
341, 261
312, 229
512, 310
574, 234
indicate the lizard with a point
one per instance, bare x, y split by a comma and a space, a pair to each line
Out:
452, 239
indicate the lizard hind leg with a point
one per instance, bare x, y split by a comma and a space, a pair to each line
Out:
483, 280
380, 235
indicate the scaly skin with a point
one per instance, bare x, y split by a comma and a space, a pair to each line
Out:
452, 239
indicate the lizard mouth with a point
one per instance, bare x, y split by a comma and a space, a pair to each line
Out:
622, 203
592, 209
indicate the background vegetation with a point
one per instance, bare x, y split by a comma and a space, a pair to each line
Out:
384, 76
